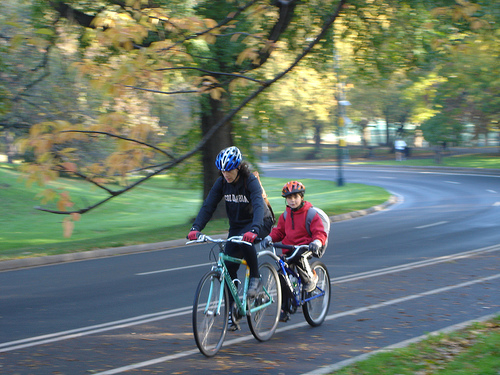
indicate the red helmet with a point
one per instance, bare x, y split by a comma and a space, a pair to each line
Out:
292, 187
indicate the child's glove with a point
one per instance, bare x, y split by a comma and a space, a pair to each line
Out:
193, 234
315, 246
250, 236
266, 242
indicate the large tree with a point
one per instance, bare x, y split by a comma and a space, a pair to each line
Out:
133, 50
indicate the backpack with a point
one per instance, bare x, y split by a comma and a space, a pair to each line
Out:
311, 212
264, 195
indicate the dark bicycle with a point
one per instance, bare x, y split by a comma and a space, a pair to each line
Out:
314, 304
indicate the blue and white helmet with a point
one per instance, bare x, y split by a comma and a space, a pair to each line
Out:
228, 159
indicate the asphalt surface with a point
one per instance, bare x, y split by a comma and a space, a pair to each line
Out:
92, 254
426, 263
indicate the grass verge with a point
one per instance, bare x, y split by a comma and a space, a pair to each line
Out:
473, 350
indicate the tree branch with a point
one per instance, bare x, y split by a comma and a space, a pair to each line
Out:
328, 23
234, 75
121, 137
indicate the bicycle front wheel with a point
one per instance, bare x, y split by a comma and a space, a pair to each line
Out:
318, 301
210, 314
265, 309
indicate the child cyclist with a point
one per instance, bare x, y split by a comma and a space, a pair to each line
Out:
246, 210
293, 231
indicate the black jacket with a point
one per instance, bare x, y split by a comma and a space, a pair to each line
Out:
245, 206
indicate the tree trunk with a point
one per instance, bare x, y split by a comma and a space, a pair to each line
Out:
212, 112
317, 138
387, 134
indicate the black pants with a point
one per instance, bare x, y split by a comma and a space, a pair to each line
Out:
249, 253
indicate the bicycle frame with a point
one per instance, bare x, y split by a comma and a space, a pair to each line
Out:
211, 307
241, 303
285, 270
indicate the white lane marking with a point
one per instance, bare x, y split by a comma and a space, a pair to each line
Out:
410, 266
98, 328
431, 225
496, 204
491, 191
453, 182
173, 269
302, 324
141, 319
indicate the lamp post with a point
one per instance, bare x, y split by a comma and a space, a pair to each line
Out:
340, 118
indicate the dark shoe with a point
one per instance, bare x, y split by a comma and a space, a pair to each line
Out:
311, 285
253, 287
234, 319
284, 316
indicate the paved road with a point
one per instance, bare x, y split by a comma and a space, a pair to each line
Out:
428, 262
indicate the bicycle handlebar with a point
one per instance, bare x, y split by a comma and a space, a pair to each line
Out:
274, 246
206, 238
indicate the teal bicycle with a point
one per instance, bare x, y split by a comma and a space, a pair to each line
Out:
211, 302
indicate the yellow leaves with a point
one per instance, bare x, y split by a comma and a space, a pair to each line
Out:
217, 93
210, 85
250, 54
463, 10
69, 167
64, 201
210, 23
47, 195
238, 82
210, 38
206, 81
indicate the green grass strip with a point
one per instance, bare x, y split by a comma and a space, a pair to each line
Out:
159, 210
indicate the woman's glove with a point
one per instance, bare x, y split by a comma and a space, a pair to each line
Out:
193, 234
315, 246
250, 236
266, 242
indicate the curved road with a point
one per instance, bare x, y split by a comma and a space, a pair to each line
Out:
428, 262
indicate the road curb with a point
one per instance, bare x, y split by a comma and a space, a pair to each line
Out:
8, 265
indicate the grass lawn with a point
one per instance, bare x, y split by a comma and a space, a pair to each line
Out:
460, 161
156, 211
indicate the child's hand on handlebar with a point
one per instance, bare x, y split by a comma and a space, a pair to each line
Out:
314, 246
266, 242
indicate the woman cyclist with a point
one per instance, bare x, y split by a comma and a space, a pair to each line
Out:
245, 208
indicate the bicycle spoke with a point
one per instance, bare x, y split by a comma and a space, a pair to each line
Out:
315, 309
210, 313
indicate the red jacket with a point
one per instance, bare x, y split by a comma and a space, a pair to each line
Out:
292, 231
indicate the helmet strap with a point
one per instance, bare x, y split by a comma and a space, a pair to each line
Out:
237, 176
299, 207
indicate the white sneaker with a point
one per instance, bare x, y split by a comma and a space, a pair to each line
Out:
311, 285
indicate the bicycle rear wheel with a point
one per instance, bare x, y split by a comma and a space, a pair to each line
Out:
210, 314
316, 309
265, 309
